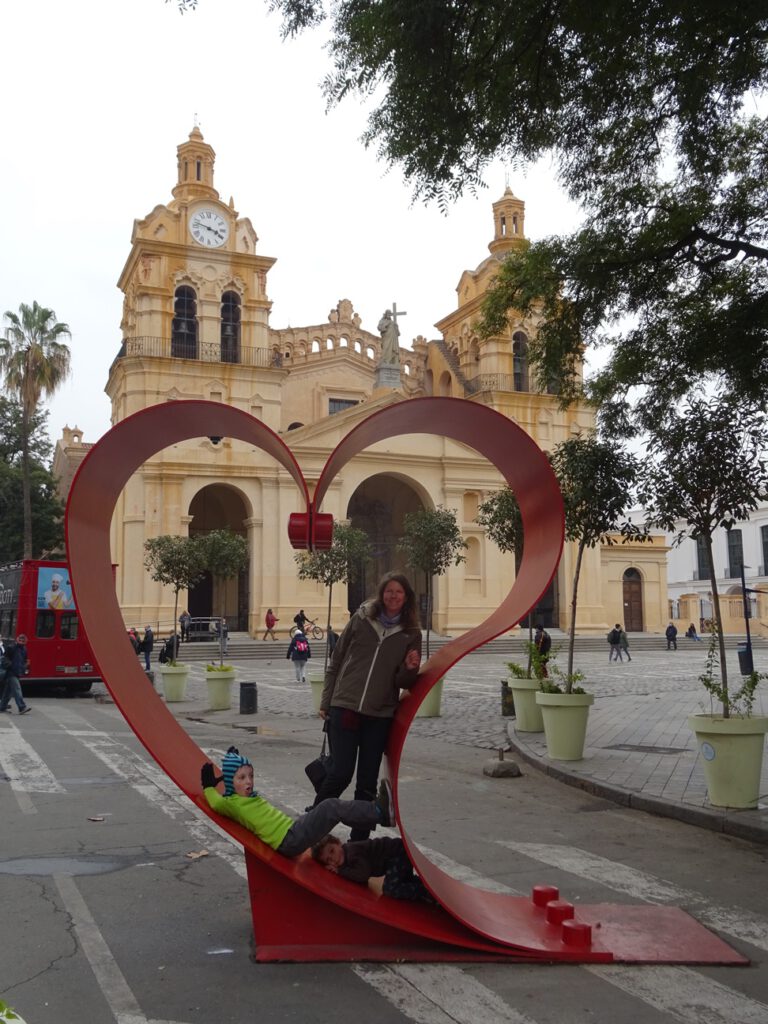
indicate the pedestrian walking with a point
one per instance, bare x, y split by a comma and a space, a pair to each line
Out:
14, 665
624, 643
614, 639
269, 621
299, 653
184, 620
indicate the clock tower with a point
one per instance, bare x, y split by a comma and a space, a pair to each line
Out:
196, 310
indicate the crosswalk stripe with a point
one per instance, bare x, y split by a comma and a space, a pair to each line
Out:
420, 992
741, 924
684, 994
26, 770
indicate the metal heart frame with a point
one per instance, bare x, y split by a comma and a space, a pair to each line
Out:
332, 919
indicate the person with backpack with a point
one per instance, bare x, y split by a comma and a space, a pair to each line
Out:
542, 641
14, 665
614, 639
299, 653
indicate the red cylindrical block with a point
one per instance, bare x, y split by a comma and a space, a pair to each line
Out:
544, 894
559, 911
576, 933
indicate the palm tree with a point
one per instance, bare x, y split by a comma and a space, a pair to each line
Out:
34, 363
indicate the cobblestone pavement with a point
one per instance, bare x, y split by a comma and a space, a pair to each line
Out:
639, 749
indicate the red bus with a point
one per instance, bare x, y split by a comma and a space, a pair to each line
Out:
36, 599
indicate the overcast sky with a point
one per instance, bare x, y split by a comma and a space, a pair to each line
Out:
97, 94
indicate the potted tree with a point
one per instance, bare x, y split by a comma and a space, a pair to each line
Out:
340, 563
596, 479
707, 472
175, 562
432, 542
500, 515
224, 554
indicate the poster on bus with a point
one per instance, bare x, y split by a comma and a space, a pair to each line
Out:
53, 588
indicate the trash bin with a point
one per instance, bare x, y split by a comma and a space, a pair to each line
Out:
746, 665
249, 703
507, 700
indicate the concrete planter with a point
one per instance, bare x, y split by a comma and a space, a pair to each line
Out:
565, 718
528, 716
220, 689
174, 682
430, 706
732, 754
316, 683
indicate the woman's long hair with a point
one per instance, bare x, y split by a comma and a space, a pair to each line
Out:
409, 618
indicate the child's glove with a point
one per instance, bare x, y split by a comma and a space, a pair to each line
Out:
232, 750
208, 776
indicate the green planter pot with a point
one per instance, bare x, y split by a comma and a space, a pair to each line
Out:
528, 716
565, 723
732, 754
220, 689
174, 682
316, 682
430, 707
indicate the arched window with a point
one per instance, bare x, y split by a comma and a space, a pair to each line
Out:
184, 324
230, 327
520, 360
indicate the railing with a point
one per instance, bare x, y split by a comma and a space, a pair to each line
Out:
491, 382
199, 351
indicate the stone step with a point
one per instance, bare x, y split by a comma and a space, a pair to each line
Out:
242, 647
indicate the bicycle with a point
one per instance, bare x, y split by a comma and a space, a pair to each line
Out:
311, 630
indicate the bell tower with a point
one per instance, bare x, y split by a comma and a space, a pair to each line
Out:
508, 223
195, 169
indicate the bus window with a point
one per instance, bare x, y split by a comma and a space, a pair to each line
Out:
8, 622
69, 626
45, 625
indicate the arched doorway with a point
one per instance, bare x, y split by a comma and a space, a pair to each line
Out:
378, 507
220, 507
632, 587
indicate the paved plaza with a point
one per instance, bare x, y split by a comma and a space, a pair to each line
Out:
639, 750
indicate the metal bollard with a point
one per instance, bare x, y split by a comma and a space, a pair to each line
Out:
507, 700
249, 701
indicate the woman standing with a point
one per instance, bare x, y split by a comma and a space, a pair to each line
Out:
376, 656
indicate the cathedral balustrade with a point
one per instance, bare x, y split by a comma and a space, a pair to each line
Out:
201, 351
491, 382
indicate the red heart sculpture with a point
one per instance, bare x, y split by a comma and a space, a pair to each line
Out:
96, 488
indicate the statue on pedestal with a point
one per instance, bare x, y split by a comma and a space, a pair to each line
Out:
390, 332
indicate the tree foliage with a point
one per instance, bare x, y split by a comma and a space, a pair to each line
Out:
223, 553
176, 562
47, 508
340, 563
432, 542
33, 363
706, 470
596, 480
500, 515
651, 116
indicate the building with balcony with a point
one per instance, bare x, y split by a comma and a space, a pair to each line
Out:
196, 324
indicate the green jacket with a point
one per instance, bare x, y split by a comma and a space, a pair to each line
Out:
253, 812
366, 672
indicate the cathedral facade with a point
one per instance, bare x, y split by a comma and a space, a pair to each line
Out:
195, 324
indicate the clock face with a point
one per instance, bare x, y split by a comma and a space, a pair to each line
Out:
208, 228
